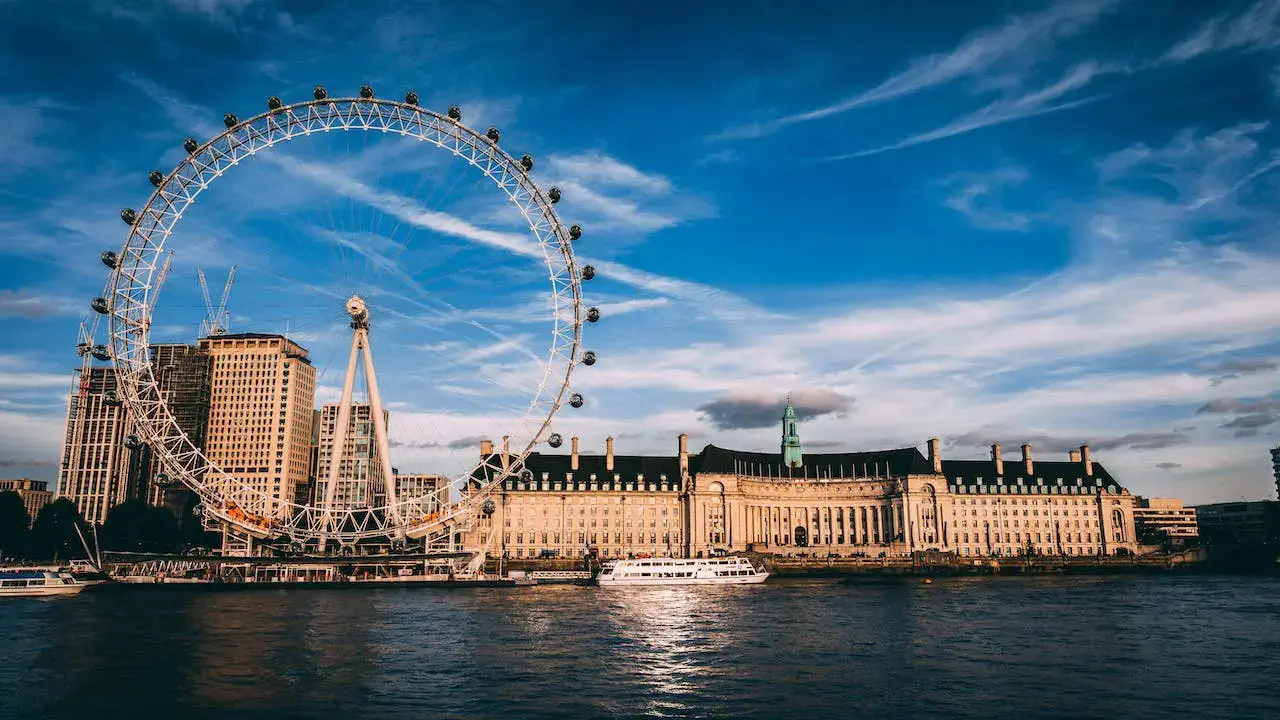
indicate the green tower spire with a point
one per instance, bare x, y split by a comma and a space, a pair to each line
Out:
792, 456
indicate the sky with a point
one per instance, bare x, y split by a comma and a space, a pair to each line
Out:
1043, 222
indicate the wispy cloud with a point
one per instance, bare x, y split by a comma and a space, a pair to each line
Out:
616, 196
1028, 105
1257, 28
977, 196
976, 54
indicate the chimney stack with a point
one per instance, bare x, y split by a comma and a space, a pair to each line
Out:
935, 455
1073, 455
1087, 458
684, 454
486, 448
1027, 465
999, 461
506, 453
573, 457
608, 453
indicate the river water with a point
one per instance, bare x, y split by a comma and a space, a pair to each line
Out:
1108, 647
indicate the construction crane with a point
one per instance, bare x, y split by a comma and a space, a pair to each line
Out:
217, 319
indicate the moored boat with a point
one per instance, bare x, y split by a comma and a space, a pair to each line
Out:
681, 571
28, 582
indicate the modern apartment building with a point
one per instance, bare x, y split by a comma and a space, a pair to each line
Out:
360, 475
262, 395
1160, 520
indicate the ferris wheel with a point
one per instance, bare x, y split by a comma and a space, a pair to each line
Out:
137, 271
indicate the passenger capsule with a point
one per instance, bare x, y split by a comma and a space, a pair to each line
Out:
589, 358
411, 98
129, 216
554, 195
593, 315
526, 162
273, 103
162, 480
132, 442
101, 352
111, 398
230, 120
555, 440
588, 272
82, 349
320, 93
110, 259
101, 305
576, 400
455, 114
190, 145
156, 177
198, 510
488, 507
366, 92
492, 134
575, 231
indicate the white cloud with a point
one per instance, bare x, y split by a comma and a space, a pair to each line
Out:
1257, 28
1006, 110
978, 197
1020, 36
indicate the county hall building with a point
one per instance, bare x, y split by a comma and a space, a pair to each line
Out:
873, 504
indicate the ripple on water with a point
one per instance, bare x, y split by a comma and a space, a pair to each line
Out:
988, 647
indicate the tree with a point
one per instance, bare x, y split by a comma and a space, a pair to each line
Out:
15, 525
53, 535
134, 526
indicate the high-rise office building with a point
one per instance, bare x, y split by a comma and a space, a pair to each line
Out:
262, 395
95, 469
360, 475
182, 376
1275, 468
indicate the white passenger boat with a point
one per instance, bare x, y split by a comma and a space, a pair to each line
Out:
681, 571
27, 582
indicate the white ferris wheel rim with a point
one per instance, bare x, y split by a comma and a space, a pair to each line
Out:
131, 292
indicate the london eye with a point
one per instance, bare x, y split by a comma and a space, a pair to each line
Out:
137, 271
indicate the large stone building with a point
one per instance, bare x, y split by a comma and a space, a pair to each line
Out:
34, 493
97, 470
262, 397
360, 475
888, 502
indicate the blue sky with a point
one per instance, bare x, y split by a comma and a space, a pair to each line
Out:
990, 221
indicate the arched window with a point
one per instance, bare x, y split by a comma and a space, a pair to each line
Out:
1117, 525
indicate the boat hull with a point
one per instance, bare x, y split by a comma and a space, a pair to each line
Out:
628, 582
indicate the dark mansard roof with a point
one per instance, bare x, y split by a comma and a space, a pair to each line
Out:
877, 463
649, 470
1045, 473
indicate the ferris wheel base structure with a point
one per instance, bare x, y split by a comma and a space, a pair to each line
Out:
248, 511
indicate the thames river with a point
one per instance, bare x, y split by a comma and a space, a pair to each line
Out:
1108, 647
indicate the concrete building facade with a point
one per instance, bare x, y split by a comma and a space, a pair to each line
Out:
262, 396
34, 493
1275, 468
1240, 523
1159, 520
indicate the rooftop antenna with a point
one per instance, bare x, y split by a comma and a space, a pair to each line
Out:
217, 319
